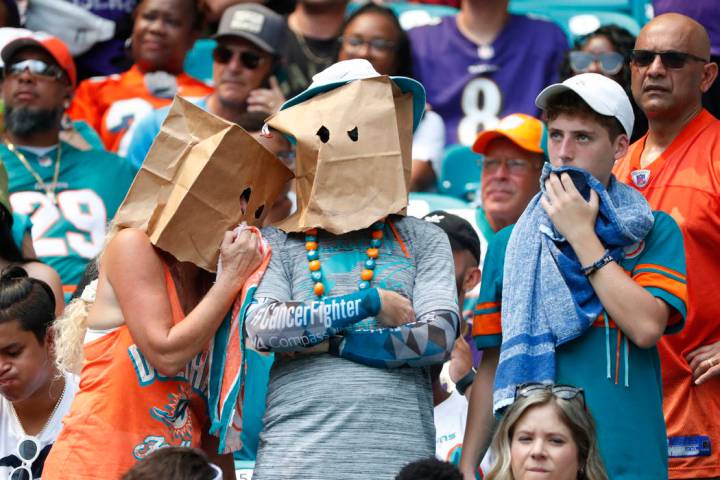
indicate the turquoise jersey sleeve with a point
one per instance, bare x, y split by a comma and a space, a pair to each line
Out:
486, 328
659, 267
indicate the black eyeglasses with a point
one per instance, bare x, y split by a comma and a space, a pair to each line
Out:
28, 449
610, 62
249, 59
669, 58
35, 67
564, 392
378, 44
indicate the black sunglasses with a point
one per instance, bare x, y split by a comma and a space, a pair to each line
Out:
249, 59
35, 67
670, 58
564, 392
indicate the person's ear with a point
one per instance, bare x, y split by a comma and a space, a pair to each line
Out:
710, 73
620, 146
472, 278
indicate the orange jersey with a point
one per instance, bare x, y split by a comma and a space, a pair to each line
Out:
125, 409
685, 182
111, 104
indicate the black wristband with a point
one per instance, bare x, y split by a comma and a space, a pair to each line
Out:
462, 384
604, 260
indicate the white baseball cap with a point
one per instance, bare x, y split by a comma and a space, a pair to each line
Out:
602, 94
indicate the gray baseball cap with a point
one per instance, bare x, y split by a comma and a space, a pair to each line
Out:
256, 23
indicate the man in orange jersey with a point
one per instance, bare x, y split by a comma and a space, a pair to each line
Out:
677, 167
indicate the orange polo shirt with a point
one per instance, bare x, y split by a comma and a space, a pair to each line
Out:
111, 104
685, 182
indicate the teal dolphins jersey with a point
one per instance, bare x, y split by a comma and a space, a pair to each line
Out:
69, 232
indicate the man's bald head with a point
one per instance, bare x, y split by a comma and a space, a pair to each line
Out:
684, 33
665, 93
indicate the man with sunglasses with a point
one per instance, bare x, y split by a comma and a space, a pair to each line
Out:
69, 194
676, 166
250, 40
583, 286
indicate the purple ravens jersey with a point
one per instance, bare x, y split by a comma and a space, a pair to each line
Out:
471, 86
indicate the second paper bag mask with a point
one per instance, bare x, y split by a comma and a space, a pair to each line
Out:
353, 155
187, 192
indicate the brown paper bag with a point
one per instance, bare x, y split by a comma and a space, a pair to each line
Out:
361, 173
187, 192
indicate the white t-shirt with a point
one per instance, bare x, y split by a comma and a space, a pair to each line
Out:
11, 432
450, 419
429, 141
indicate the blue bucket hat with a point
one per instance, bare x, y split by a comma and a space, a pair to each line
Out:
342, 73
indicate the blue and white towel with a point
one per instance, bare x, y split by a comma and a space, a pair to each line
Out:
547, 300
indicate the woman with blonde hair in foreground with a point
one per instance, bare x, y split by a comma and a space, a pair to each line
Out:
547, 433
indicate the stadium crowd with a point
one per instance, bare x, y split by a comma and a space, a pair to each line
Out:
496, 258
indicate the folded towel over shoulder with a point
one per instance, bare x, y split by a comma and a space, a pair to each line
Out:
546, 299
227, 361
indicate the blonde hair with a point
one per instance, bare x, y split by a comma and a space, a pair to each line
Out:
70, 328
574, 416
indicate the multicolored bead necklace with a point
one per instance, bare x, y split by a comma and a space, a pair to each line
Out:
366, 274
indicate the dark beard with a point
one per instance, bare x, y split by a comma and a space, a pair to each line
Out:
24, 121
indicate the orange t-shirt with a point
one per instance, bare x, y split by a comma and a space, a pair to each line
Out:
685, 182
111, 104
125, 409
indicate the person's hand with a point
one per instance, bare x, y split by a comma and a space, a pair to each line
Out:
704, 362
460, 360
240, 256
396, 310
572, 216
268, 100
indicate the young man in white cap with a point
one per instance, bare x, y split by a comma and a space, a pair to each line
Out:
586, 283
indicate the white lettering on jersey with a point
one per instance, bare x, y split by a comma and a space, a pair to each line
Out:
83, 209
481, 103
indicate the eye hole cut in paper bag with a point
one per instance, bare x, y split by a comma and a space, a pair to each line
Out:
353, 155
187, 192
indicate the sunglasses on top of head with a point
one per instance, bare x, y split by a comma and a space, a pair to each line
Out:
670, 58
249, 59
610, 62
35, 67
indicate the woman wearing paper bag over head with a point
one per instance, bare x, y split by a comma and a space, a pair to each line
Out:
361, 297
148, 324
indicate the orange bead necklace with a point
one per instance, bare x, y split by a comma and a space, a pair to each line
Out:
366, 274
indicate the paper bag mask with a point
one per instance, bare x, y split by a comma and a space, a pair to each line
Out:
187, 192
353, 155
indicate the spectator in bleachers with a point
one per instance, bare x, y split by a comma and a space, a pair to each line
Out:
485, 63
429, 469
11, 252
373, 32
313, 43
676, 166
355, 376
606, 51
707, 14
34, 394
549, 433
250, 40
174, 463
162, 34
512, 159
141, 332
587, 262
70, 194
451, 408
